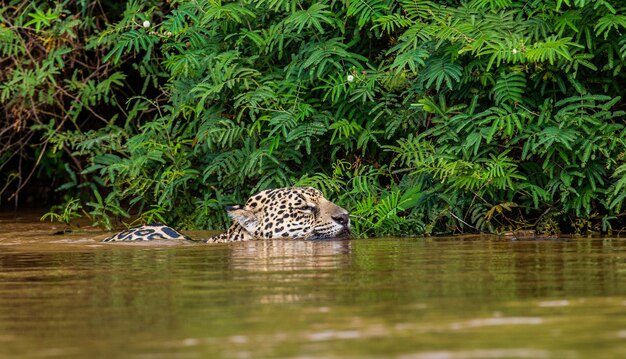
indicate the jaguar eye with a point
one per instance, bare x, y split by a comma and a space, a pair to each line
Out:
308, 209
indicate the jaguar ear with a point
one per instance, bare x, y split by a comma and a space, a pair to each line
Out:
245, 218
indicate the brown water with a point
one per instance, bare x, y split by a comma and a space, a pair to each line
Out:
70, 296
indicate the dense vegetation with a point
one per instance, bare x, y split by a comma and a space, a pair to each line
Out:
417, 116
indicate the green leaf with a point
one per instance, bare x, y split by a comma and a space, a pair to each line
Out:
509, 88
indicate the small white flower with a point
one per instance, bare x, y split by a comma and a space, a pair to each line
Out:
146, 23
350, 78
514, 51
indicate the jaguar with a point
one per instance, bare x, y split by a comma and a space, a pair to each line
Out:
287, 213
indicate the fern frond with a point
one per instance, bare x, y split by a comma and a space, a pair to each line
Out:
344, 129
509, 87
410, 153
330, 56
391, 23
217, 12
220, 133
323, 182
440, 69
367, 11
610, 22
552, 49
314, 17
305, 133
491, 4
132, 40
418, 9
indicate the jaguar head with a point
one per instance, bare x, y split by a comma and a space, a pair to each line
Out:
293, 213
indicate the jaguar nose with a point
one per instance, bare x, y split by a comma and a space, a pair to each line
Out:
343, 219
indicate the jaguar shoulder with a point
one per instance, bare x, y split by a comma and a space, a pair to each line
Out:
148, 232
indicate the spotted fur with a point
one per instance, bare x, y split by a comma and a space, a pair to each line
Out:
288, 213
147, 232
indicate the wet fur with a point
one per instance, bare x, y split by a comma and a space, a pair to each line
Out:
288, 213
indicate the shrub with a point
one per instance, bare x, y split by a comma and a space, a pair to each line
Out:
418, 116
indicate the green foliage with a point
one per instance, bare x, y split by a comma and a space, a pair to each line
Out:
509, 88
417, 116
64, 213
54, 87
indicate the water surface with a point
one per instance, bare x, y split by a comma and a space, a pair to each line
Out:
66, 296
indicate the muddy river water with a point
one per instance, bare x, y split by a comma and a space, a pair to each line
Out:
69, 296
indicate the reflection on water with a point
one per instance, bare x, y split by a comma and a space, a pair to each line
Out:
71, 296
287, 255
